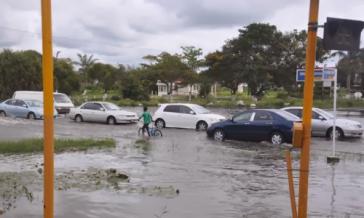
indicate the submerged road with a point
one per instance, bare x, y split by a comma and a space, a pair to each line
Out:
183, 174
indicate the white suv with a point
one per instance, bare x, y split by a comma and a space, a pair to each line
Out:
190, 116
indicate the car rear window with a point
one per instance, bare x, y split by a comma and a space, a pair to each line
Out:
172, 108
287, 115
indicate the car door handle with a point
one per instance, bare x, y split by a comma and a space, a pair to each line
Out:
269, 123
246, 123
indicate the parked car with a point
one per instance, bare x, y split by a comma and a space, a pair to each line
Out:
30, 109
322, 123
271, 125
180, 115
103, 112
62, 102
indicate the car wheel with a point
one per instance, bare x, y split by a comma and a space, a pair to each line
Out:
78, 118
31, 116
2, 114
219, 135
201, 126
339, 134
276, 138
159, 123
111, 121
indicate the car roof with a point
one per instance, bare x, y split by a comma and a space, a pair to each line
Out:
100, 102
296, 107
184, 104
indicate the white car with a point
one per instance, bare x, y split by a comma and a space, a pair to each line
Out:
103, 112
180, 115
322, 123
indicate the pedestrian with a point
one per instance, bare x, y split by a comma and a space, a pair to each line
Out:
147, 119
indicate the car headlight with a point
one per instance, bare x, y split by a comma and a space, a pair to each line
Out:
358, 126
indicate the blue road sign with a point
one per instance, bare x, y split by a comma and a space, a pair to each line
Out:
319, 74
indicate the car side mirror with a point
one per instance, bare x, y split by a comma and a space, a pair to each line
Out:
102, 109
192, 113
24, 105
321, 118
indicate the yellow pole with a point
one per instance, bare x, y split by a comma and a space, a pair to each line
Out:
307, 108
48, 109
291, 184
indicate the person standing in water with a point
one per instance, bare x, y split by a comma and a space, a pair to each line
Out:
147, 119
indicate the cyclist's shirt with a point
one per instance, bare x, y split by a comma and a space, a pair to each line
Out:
147, 118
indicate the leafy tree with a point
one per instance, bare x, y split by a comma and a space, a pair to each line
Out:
169, 68
19, 71
262, 57
133, 88
66, 80
351, 69
105, 74
191, 56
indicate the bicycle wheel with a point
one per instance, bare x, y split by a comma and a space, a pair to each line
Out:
158, 133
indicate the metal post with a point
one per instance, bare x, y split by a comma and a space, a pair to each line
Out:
307, 108
334, 126
47, 62
333, 159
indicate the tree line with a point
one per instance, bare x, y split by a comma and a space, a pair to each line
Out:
260, 56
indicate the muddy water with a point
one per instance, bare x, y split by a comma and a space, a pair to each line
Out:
183, 174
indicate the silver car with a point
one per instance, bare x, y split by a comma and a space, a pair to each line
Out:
31, 109
322, 123
103, 112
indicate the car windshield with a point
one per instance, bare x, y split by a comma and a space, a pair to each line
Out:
34, 103
287, 115
111, 106
325, 113
200, 110
60, 98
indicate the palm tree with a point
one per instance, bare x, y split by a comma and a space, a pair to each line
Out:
85, 62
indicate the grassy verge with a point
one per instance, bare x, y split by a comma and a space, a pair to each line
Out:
61, 145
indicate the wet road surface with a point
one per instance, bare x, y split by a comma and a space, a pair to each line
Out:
183, 174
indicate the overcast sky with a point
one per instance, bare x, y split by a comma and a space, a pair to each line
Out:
123, 31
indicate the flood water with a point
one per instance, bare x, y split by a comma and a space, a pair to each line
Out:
183, 174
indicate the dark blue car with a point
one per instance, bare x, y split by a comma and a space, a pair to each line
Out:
270, 125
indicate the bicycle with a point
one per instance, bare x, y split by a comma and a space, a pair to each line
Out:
153, 130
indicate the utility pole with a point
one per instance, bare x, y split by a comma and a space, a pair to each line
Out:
47, 62
307, 108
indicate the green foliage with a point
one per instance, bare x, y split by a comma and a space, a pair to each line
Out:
61, 145
115, 98
261, 56
169, 68
19, 71
66, 80
133, 88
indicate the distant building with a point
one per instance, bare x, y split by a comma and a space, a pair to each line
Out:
178, 89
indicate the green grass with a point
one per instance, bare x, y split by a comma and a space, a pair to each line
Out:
60, 145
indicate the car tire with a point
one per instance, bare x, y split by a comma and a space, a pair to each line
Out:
31, 116
219, 135
111, 121
276, 138
339, 133
78, 118
201, 126
159, 123
2, 114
